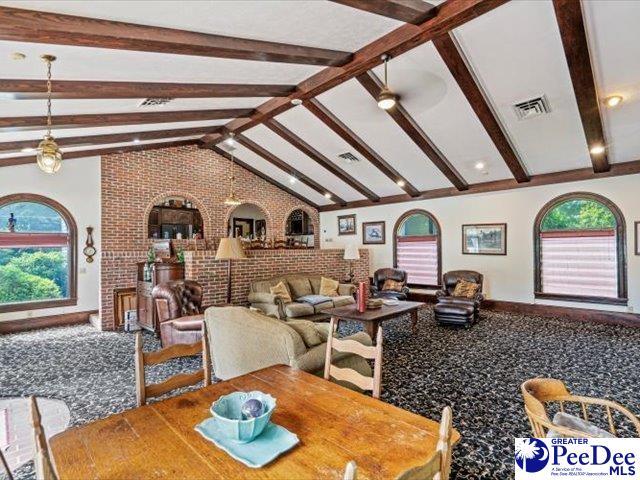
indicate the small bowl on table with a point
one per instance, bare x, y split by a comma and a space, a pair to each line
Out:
232, 424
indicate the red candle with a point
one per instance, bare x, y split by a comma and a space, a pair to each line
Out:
363, 293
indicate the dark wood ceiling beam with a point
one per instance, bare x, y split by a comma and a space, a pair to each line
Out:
108, 119
453, 57
576, 50
20, 89
53, 28
577, 175
288, 169
267, 178
450, 14
410, 11
27, 159
110, 138
320, 159
373, 85
339, 128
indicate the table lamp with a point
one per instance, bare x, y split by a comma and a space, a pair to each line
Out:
230, 248
351, 253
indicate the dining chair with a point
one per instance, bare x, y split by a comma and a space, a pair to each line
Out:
350, 471
348, 375
438, 467
42, 460
143, 359
539, 392
5, 467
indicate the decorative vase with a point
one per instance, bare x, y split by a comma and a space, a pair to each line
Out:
362, 296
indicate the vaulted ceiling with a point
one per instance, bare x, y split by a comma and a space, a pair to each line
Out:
458, 66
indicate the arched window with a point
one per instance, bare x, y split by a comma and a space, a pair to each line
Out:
37, 254
580, 250
416, 248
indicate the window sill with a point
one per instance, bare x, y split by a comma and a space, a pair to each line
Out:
581, 299
39, 305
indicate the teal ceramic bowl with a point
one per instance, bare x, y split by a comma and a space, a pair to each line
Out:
228, 415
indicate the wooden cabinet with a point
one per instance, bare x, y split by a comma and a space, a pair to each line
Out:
162, 272
167, 222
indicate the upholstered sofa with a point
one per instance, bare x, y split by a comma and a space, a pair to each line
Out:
260, 297
243, 340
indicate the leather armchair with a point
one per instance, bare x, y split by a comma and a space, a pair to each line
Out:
458, 310
383, 274
179, 311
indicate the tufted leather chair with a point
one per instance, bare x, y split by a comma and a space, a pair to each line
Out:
179, 311
458, 310
383, 274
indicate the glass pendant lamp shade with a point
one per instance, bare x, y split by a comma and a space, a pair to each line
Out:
49, 156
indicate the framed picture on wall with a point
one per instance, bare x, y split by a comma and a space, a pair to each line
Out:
637, 229
347, 225
484, 239
373, 233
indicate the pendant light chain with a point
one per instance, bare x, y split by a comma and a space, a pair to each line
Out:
48, 98
386, 80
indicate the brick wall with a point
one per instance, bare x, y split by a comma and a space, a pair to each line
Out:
132, 183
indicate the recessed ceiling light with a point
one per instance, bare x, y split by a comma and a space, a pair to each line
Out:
327, 195
18, 56
479, 165
136, 140
613, 100
400, 183
292, 179
230, 141
296, 101
28, 150
597, 150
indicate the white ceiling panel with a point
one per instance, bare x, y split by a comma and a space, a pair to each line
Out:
313, 23
351, 103
26, 108
84, 63
517, 53
612, 28
259, 163
304, 124
433, 98
9, 136
298, 160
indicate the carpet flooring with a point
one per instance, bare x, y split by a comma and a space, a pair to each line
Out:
476, 371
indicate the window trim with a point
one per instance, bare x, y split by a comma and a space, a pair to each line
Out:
72, 299
399, 222
621, 251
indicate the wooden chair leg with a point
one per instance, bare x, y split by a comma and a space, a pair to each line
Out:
140, 380
206, 356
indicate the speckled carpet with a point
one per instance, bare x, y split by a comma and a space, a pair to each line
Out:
477, 372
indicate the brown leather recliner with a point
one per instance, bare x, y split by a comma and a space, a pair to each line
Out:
179, 311
383, 274
458, 310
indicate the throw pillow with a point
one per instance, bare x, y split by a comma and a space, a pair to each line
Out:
307, 330
328, 287
466, 289
392, 285
281, 291
562, 419
299, 286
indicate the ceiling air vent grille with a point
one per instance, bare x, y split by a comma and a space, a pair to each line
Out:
532, 108
349, 157
154, 102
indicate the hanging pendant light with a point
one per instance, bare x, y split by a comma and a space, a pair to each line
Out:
231, 200
386, 98
49, 156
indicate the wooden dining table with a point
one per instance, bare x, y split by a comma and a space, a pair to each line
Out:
335, 425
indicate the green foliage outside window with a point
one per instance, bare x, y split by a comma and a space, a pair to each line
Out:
31, 274
579, 215
417, 224
19, 286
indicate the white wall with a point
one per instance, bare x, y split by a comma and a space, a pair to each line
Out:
77, 187
507, 277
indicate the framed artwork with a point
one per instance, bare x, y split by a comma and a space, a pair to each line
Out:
347, 225
373, 233
637, 229
162, 249
484, 239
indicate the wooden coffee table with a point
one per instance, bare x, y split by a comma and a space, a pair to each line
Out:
372, 319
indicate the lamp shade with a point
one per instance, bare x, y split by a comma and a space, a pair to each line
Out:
230, 249
351, 252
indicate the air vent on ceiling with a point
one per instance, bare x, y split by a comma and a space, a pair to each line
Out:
532, 108
349, 157
154, 102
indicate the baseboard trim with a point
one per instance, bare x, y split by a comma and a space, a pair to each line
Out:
571, 313
35, 323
